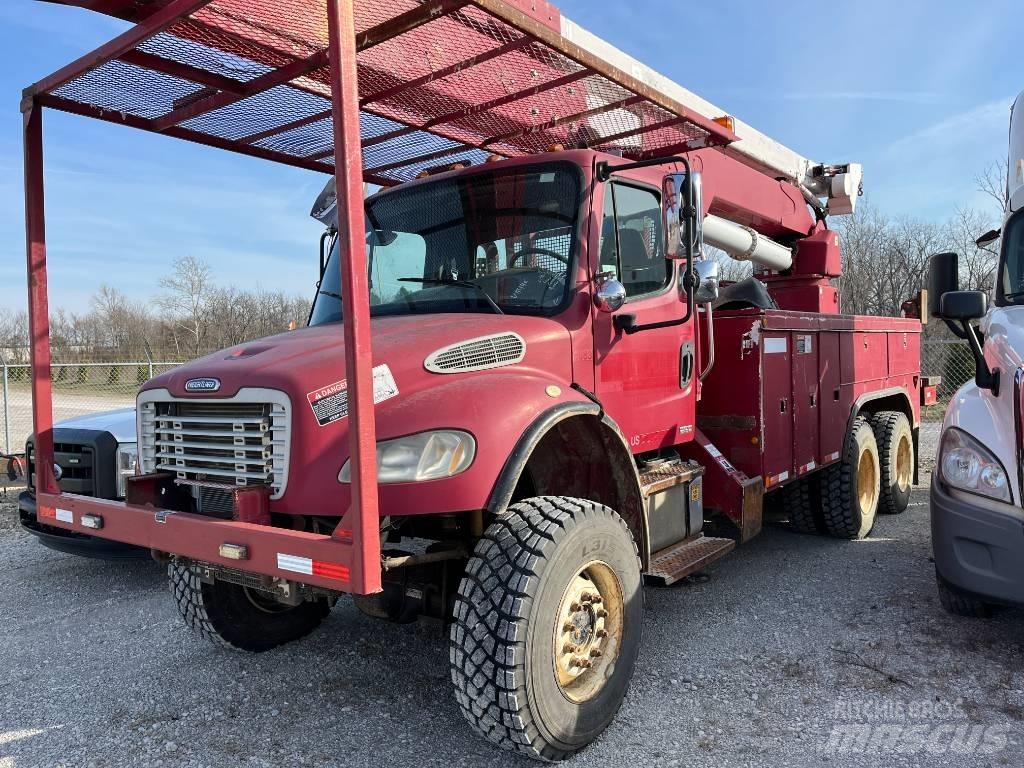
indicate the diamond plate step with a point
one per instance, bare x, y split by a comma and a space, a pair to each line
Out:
680, 560
656, 479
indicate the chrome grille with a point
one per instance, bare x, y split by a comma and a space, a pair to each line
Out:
239, 442
477, 354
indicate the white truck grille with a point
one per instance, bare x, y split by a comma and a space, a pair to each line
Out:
242, 441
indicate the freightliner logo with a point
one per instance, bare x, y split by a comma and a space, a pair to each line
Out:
202, 385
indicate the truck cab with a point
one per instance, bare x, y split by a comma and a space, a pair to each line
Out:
976, 491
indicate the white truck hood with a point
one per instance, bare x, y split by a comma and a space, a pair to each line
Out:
119, 423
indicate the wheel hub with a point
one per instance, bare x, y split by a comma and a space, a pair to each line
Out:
588, 631
904, 463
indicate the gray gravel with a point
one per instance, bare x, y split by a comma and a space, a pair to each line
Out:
754, 665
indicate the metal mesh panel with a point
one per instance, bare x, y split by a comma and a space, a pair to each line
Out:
444, 83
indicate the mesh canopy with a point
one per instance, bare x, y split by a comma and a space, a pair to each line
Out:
440, 82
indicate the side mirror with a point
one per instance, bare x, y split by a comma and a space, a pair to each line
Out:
964, 305
674, 214
707, 288
943, 277
610, 295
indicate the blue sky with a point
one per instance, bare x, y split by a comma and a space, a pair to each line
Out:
918, 92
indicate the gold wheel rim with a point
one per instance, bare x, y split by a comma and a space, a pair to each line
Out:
588, 631
904, 463
867, 482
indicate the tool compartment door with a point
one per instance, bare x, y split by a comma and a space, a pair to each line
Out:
806, 398
777, 406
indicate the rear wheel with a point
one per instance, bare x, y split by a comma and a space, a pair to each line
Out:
547, 626
896, 460
850, 488
802, 506
238, 617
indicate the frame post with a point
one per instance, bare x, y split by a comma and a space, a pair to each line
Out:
7, 408
348, 169
38, 304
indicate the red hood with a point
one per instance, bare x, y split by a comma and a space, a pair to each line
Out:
307, 359
481, 402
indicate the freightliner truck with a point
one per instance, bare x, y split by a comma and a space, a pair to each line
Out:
977, 491
545, 397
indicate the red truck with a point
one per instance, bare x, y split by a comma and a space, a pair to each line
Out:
546, 395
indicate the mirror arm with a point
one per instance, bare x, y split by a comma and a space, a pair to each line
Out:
984, 377
627, 322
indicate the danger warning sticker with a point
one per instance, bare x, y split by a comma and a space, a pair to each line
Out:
330, 403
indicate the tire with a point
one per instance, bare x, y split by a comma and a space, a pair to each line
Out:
896, 459
803, 508
961, 603
850, 488
512, 646
233, 616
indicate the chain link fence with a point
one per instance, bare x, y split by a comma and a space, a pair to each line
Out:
78, 389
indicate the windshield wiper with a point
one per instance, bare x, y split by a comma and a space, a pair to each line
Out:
1013, 295
332, 294
457, 284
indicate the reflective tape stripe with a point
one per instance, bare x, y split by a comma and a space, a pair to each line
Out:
293, 563
312, 567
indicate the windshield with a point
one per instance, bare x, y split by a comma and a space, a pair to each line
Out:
499, 242
1011, 270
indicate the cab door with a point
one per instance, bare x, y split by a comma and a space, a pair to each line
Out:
645, 380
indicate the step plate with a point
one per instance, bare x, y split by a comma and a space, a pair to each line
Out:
680, 560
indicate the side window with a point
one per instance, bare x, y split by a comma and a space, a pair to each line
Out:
393, 256
632, 241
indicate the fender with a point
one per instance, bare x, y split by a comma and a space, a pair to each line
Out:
628, 501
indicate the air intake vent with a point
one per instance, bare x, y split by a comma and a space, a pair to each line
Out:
477, 354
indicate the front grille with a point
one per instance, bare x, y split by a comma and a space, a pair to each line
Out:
76, 463
477, 354
238, 442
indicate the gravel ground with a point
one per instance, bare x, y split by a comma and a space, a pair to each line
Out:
756, 663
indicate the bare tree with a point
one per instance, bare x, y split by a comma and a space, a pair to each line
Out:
992, 182
188, 290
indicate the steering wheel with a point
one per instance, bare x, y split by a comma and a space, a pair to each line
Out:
538, 251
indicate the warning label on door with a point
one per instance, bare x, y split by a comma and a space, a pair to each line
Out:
330, 403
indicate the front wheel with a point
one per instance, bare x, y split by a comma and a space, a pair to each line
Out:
239, 617
547, 626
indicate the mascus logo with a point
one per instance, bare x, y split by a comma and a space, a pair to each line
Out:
202, 385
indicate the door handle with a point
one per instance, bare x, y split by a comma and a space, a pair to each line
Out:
685, 364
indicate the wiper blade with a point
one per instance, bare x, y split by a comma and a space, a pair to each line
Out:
458, 284
332, 294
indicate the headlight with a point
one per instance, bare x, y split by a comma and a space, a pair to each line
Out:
424, 456
127, 457
968, 466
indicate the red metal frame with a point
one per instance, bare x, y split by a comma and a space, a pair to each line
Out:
515, 27
352, 554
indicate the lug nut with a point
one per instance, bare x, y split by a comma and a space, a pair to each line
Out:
595, 599
602, 613
568, 626
585, 663
596, 653
602, 633
570, 648
575, 607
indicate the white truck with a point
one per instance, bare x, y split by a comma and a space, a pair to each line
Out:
978, 485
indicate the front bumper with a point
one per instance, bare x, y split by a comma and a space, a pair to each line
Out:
344, 561
70, 542
977, 550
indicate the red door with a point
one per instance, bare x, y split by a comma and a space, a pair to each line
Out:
646, 380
